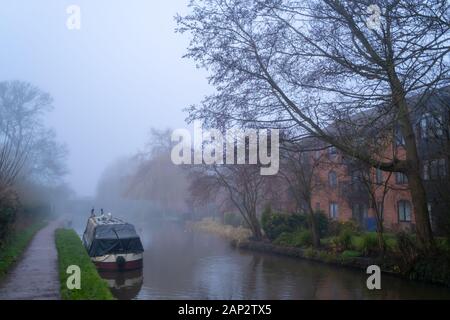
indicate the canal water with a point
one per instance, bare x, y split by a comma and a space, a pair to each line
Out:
183, 264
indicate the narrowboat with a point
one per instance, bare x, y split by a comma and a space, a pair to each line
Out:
112, 243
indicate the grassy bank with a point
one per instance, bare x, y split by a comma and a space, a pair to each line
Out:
13, 248
71, 252
209, 225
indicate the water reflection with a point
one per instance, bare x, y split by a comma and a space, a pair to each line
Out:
180, 264
124, 285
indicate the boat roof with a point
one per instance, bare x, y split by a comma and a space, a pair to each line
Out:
106, 219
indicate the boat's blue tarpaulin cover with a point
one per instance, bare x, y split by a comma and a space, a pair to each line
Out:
114, 239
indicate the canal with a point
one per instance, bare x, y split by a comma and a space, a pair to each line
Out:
183, 264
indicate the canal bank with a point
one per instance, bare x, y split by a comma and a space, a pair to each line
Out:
71, 252
421, 266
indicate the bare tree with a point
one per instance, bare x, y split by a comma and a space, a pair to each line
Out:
32, 148
299, 168
316, 65
243, 185
12, 159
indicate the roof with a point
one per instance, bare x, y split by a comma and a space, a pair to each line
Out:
115, 231
106, 220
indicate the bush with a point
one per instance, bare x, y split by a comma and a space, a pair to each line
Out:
310, 253
303, 238
299, 238
343, 241
350, 254
233, 219
408, 249
9, 205
274, 224
433, 268
16, 244
322, 223
284, 239
369, 244
335, 228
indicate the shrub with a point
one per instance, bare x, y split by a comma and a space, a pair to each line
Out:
303, 238
326, 256
284, 239
9, 205
369, 245
343, 241
299, 238
274, 224
335, 228
310, 252
434, 268
322, 223
350, 254
15, 245
408, 249
232, 219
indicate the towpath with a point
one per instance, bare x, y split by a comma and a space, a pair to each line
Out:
35, 276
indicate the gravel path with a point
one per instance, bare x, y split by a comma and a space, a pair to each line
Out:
35, 276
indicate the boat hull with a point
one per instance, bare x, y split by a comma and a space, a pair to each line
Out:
119, 262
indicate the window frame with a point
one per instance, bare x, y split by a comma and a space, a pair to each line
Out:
335, 210
403, 204
379, 179
401, 181
332, 179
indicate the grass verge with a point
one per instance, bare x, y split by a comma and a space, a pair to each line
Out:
71, 252
15, 245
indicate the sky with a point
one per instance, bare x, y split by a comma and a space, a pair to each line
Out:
112, 80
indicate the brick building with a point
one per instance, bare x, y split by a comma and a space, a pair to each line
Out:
346, 189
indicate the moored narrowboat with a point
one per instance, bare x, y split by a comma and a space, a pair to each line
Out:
112, 243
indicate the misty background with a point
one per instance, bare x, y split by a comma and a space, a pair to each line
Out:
120, 75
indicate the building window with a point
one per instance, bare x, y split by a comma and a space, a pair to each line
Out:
332, 179
401, 178
399, 139
332, 151
359, 213
426, 171
434, 169
379, 176
334, 210
431, 126
404, 211
430, 211
440, 166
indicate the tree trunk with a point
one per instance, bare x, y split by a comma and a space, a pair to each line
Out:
423, 226
415, 183
381, 242
255, 226
314, 227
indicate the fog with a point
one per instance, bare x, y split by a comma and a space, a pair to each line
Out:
115, 78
